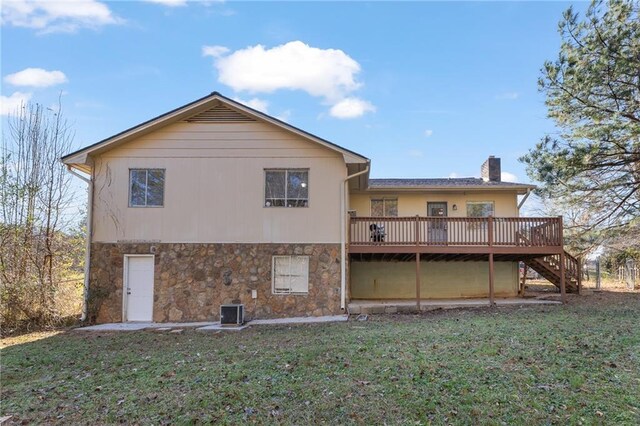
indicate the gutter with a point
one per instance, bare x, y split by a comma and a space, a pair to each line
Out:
524, 199
87, 255
343, 243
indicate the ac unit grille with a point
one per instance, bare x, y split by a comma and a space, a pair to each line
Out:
220, 114
231, 314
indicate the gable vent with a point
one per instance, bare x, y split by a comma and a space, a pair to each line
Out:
220, 114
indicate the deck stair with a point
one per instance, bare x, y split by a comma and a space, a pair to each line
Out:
549, 268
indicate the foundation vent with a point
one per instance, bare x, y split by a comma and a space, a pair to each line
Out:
220, 114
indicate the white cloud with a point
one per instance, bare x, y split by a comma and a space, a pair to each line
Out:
453, 175
329, 74
214, 51
36, 77
351, 108
428, 133
169, 3
508, 177
508, 96
49, 16
9, 104
255, 103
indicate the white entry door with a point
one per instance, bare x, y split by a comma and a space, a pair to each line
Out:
138, 283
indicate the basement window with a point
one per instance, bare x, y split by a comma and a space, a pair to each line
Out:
146, 187
290, 274
286, 188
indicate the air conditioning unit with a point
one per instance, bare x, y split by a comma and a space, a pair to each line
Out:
231, 315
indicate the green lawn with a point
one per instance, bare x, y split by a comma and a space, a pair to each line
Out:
537, 365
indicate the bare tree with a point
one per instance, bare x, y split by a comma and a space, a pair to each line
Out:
35, 197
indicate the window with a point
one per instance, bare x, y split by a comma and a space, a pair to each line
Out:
290, 274
146, 187
480, 209
286, 188
381, 207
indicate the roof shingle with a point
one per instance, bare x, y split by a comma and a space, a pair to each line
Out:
467, 182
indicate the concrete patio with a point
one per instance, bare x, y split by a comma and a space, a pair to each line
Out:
357, 307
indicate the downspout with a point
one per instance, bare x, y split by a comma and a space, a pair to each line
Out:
523, 200
87, 255
343, 243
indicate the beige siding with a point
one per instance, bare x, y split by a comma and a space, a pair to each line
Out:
214, 187
411, 204
439, 280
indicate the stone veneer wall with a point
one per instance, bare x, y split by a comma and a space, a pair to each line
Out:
191, 281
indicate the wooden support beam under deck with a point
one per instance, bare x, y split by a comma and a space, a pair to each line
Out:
491, 277
563, 290
417, 239
536, 251
418, 281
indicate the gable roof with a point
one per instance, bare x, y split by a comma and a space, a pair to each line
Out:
461, 184
200, 109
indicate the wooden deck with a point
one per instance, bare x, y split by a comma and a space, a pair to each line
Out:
536, 241
456, 235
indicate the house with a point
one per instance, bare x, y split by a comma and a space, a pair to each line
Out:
215, 203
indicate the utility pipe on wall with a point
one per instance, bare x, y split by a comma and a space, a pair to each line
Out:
343, 244
87, 255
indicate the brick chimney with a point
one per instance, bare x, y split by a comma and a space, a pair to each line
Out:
490, 170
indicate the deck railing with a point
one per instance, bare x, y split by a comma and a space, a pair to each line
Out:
456, 231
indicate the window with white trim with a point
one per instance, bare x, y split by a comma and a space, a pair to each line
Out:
286, 188
384, 207
290, 274
146, 187
480, 208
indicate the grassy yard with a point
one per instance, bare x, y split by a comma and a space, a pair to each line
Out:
578, 364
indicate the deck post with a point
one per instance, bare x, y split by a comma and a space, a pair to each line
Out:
491, 270
491, 275
417, 235
563, 290
418, 280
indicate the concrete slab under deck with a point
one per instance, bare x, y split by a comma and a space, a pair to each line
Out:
357, 307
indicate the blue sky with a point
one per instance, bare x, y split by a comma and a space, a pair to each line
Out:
424, 89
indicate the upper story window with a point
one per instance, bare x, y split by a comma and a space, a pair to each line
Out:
146, 187
480, 208
286, 188
384, 207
